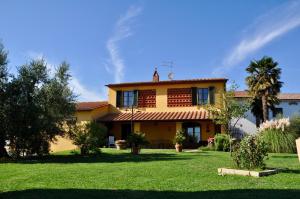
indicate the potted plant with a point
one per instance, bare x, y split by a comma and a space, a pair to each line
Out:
136, 141
210, 142
178, 140
121, 144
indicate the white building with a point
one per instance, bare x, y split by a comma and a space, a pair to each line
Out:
288, 107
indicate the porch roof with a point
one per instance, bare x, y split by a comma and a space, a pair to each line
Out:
156, 116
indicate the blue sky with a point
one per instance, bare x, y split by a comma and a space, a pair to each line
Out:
119, 41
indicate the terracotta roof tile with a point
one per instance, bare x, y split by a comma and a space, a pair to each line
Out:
167, 82
88, 106
281, 96
156, 116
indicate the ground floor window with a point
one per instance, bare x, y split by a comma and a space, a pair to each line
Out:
193, 131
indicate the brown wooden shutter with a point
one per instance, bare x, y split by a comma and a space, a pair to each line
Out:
135, 98
194, 96
119, 99
212, 95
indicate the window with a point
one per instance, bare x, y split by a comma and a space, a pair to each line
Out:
202, 96
293, 103
193, 132
277, 112
128, 98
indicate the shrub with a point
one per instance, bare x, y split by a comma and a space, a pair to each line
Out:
179, 137
222, 142
294, 127
278, 135
279, 141
89, 137
250, 153
280, 124
137, 139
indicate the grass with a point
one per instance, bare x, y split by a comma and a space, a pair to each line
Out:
153, 174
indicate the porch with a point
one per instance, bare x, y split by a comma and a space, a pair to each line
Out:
160, 134
160, 129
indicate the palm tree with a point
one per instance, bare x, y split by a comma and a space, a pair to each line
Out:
264, 85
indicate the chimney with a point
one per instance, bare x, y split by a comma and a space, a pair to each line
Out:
155, 76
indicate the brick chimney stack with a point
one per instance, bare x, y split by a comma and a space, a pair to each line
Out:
155, 76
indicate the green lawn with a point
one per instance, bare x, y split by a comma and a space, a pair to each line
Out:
153, 174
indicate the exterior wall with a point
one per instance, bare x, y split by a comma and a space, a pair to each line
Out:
63, 143
248, 124
160, 134
82, 116
161, 96
290, 108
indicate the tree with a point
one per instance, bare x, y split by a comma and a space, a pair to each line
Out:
89, 137
228, 109
264, 85
3, 99
39, 105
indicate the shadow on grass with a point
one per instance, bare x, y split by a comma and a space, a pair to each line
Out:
293, 171
103, 157
286, 156
134, 194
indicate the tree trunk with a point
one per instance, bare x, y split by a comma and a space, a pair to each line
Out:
265, 108
257, 121
3, 152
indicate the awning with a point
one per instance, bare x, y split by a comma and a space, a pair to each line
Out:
156, 116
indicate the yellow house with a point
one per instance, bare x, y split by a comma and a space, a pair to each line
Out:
85, 112
158, 109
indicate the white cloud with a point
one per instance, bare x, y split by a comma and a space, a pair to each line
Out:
264, 30
84, 94
121, 31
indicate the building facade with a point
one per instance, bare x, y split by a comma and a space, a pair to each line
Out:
160, 108
85, 112
156, 108
289, 106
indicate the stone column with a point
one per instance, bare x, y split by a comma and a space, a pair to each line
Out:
298, 147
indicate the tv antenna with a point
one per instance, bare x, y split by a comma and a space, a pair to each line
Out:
170, 65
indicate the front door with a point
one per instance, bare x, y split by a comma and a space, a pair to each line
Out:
193, 134
125, 131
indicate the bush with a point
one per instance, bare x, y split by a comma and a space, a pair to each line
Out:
89, 137
250, 153
222, 142
179, 137
279, 141
137, 139
294, 127
278, 135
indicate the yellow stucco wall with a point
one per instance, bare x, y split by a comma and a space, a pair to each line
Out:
162, 98
64, 143
162, 132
